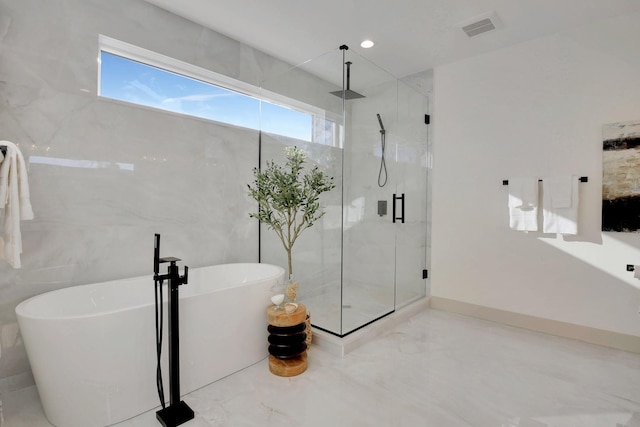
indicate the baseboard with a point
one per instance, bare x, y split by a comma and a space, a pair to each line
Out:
553, 327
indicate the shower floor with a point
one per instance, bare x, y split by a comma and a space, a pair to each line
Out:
360, 304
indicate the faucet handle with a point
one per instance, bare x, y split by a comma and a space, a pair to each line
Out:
185, 278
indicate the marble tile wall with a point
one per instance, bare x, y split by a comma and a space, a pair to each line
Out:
105, 176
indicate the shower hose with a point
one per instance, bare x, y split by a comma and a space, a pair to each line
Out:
158, 298
382, 175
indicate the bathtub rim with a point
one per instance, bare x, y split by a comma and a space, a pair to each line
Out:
22, 309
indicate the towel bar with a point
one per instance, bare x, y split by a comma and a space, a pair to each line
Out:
581, 179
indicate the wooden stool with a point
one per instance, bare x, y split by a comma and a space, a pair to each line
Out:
287, 346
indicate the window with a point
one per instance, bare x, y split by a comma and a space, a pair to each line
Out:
138, 76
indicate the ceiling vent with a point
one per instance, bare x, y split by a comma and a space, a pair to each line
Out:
481, 24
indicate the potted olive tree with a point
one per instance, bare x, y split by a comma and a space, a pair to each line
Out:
288, 199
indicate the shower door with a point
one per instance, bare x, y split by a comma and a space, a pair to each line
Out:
357, 264
411, 169
385, 205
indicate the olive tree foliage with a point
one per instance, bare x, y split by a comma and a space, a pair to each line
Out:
288, 197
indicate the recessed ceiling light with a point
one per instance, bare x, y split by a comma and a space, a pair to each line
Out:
367, 44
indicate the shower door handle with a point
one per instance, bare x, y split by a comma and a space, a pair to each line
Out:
395, 199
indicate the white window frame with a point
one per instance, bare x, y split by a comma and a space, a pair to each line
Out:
154, 59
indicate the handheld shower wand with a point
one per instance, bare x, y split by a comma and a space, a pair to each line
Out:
382, 131
382, 175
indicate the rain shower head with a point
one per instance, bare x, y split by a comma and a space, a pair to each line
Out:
348, 93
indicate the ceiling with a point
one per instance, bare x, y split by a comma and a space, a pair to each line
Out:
410, 35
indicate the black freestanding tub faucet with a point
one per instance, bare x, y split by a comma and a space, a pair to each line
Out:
178, 412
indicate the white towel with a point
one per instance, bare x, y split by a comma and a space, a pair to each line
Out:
523, 204
560, 190
560, 216
14, 200
523, 192
636, 271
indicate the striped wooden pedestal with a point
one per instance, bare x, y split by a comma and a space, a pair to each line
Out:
287, 346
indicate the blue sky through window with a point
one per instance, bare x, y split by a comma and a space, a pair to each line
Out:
131, 81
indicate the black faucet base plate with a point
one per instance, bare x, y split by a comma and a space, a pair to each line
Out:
175, 414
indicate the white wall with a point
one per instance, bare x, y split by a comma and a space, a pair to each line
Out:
535, 109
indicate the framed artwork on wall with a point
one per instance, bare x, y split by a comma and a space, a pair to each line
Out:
621, 177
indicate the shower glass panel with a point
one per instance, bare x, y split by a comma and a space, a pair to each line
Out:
411, 168
366, 129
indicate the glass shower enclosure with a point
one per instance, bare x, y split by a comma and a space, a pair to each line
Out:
367, 256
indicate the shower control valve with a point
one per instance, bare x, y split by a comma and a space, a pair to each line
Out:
382, 207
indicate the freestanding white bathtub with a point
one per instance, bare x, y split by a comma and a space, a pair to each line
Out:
92, 347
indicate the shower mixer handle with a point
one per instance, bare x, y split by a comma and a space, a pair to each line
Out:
174, 274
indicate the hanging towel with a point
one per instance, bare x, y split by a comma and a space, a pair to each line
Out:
560, 190
14, 201
636, 271
560, 203
523, 204
523, 192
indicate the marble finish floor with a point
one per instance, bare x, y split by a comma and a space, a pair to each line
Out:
439, 369
360, 305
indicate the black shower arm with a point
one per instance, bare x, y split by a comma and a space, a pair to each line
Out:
348, 64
